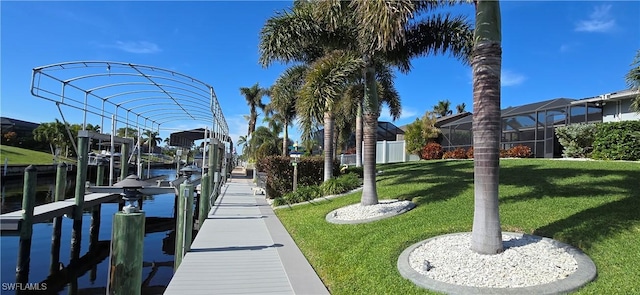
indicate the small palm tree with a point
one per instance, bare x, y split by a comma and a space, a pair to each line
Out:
253, 95
442, 109
633, 81
284, 95
461, 108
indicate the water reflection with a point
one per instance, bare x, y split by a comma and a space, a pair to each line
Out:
90, 272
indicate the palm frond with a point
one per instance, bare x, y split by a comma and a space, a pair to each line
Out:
441, 34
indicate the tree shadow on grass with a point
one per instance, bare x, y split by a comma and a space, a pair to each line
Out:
429, 181
544, 182
591, 225
595, 224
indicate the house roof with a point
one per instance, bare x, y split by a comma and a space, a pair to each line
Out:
524, 109
613, 96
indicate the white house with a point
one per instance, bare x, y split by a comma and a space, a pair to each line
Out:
616, 106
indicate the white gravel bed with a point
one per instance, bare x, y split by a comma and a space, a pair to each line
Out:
359, 212
525, 262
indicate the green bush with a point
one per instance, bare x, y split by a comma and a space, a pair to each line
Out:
617, 141
303, 193
576, 139
280, 173
340, 184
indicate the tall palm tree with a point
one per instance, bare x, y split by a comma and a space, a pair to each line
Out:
284, 94
461, 108
442, 109
242, 141
151, 139
633, 81
486, 237
325, 84
253, 95
384, 31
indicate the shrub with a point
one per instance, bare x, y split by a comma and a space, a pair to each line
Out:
303, 193
279, 201
341, 184
355, 170
280, 173
519, 151
576, 139
504, 153
458, 153
470, 153
432, 151
617, 141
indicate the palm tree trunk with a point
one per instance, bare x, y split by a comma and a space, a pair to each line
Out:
370, 116
285, 139
486, 237
359, 135
328, 145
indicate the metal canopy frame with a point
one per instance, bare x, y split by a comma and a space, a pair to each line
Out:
130, 96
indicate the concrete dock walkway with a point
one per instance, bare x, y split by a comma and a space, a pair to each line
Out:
243, 248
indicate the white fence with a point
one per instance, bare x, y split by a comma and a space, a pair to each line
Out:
386, 152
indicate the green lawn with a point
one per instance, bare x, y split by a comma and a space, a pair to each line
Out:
592, 205
20, 156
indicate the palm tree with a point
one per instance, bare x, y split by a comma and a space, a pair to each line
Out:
242, 141
284, 94
486, 237
460, 108
51, 133
253, 95
384, 32
442, 109
264, 142
325, 84
152, 139
633, 81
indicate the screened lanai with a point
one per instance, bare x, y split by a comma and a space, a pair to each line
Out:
532, 125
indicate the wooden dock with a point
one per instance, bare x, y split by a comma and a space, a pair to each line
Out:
242, 248
10, 222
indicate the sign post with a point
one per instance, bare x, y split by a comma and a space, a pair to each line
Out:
295, 157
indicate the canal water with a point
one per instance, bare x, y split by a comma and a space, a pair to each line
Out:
158, 243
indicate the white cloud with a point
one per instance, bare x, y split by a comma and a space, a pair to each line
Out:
405, 114
565, 48
600, 21
509, 78
137, 46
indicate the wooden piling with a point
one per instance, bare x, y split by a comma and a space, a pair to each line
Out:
61, 187
124, 161
184, 223
212, 170
203, 201
26, 224
215, 171
125, 262
81, 178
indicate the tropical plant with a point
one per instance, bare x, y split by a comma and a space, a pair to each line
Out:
421, 132
284, 95
442, 109
253, 95
127, 132
576, 139
51, 133
384, 33
633, 81
460, 108
264, 143
151, 139
486, 235
325, 84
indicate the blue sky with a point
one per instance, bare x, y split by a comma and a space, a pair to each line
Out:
573, 49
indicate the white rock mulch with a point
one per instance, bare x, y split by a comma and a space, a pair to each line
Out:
526, 261
359, 212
